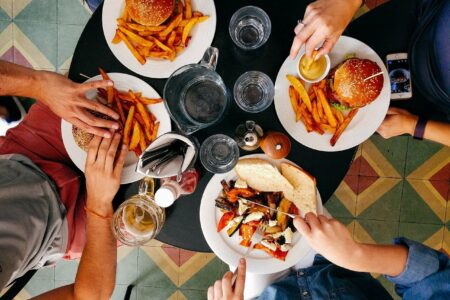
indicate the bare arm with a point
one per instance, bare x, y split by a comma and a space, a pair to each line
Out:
65, 98
399, 121
332, 239
97, 270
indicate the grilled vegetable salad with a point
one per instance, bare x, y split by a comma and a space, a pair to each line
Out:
243, 217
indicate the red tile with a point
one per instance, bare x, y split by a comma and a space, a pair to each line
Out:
352, 182
20, 59
355, 167
442, 174
8, 55
366, 169
185, 255
441, 187
173, 253
365, 182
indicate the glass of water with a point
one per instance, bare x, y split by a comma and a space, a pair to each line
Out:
219, 153
253, 91
250, 27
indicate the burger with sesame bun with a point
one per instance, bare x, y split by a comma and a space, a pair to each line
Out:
347, 87
150, 12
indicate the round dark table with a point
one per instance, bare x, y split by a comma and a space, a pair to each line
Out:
182, 227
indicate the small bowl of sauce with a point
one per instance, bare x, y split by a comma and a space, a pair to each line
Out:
313, 70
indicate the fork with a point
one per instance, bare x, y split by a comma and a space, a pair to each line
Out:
256, 238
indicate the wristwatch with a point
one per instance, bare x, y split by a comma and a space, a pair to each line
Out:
419, 131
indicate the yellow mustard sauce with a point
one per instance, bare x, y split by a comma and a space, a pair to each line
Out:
315, 71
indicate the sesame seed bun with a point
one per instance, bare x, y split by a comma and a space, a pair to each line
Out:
346, 83
150, 12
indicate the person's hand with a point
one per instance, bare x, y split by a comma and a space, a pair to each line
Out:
397, 122
102, 171
323, 22
223, 289
328, 237
67, 100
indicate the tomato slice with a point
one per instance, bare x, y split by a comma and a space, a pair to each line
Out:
245, 243
278, 254
224, 220
294, 210
247, 231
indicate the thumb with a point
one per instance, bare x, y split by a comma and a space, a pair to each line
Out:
92, 85
302, 226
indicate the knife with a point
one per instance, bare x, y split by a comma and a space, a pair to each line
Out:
270, 208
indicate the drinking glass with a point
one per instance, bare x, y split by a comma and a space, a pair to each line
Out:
219, 153
250, 27
139, 219
253, 91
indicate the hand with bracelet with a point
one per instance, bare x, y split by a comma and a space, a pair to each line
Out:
399, 121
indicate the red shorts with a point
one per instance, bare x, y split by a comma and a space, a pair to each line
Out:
38, 137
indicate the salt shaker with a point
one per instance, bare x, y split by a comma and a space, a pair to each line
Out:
248, 135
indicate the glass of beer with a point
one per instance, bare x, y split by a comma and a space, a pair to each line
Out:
139, 219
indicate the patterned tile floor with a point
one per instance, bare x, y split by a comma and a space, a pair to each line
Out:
394, 187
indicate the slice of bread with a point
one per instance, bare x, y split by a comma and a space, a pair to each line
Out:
263, 176
304, 194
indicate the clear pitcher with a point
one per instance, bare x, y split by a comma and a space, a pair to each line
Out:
139, 219
196, 96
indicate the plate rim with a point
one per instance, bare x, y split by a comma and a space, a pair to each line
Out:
301, 248
300, 135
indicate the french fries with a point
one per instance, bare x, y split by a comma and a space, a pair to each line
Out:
109, 89
321, 117
163, 42
138, 126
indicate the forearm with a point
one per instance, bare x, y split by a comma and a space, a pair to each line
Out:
97, 270
437, 132
383, 259
19, 81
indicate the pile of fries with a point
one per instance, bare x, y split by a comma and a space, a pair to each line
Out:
140, 126
161, 42
314, 110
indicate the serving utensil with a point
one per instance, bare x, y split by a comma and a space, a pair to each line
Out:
270, 208
374, 75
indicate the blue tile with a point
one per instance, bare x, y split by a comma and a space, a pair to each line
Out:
43, 35
8, 5
38, 286
146, 293
60, 283
150, 274
72, 12
120, 291
45, 273
68, 36
66, 270
38, 10
127, 270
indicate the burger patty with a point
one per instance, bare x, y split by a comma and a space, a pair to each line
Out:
346, 83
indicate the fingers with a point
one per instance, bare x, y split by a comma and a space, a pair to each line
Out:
92, 85
298, 28
302, 226
240, 280
313, 42
300, 39
93, 130
103, 150
327, 46
210, 293
218, 290
120, 161
94, 121
227, 289
323, 219
312, 220
93, 105
111, 154
92, 150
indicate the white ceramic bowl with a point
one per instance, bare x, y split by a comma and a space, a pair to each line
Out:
327, 69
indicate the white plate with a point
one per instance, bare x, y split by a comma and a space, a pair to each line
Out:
122, 82
363, 125
228, 249
202, 37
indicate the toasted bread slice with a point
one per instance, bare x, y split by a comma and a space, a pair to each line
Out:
263, 176
304, 195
